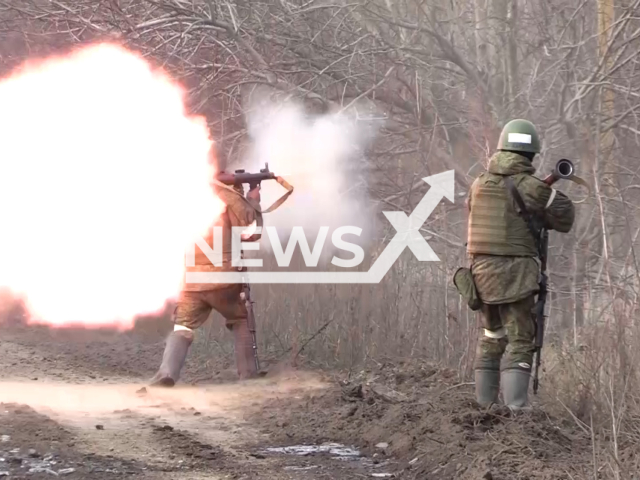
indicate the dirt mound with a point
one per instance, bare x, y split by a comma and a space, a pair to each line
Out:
423, 416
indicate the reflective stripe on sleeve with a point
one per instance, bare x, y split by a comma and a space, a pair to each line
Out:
551, 198
500, 333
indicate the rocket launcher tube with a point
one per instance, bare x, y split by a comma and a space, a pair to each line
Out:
240, 177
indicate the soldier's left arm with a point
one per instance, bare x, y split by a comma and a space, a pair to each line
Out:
549, 204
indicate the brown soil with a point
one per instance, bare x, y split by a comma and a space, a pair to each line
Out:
422, 417
34, 446
70, 402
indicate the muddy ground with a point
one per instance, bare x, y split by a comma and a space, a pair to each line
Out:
71, 407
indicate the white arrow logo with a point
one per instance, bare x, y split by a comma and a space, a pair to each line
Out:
407, 235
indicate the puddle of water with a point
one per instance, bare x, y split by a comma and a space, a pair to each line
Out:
340, 451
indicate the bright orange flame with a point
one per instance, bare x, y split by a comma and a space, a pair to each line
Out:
104, 180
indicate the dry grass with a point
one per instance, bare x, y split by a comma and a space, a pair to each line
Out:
451, 89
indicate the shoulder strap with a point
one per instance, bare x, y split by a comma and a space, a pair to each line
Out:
521, 206
275, 205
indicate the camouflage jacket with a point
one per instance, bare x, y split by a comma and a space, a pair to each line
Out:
239, 212
504, 278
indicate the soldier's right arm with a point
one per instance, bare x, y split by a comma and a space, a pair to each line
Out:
242, 212
553, 206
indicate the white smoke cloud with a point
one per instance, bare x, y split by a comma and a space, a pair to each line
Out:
323, 157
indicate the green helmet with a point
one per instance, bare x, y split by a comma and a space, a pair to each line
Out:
519, 136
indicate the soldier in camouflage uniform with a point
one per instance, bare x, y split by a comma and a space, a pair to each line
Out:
504, 262
196, 301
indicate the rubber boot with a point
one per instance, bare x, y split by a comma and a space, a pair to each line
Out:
515, 388
244, 352
175, 353
487, 386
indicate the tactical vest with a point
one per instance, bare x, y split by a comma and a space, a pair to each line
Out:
495, 228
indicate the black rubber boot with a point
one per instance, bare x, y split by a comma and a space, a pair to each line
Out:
515, 388
487, 386
175, 354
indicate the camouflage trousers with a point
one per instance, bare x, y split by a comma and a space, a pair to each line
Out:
509, 332
194, 308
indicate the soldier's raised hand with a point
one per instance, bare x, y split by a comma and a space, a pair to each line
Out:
254, 194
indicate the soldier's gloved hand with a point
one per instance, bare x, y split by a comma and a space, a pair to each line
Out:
254, 194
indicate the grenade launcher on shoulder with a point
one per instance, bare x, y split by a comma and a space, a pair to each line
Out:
241, 177
564, 170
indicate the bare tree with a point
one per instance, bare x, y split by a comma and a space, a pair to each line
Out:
447, 75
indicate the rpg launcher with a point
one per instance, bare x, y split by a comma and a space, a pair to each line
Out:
241, 177
564, 170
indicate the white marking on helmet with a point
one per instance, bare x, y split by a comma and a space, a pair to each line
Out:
519, 138
524, 365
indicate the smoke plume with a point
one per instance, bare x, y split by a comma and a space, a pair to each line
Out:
323, 157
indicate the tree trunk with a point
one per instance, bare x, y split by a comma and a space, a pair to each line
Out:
481, 36
512, 58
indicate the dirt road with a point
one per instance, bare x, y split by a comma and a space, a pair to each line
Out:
71, 407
